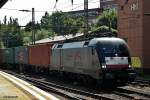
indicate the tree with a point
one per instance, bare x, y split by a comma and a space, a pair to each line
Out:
41, 34
5, 20
106, 30
45, 21
62, 24
10, 33
28, 26
108, 18
106, 23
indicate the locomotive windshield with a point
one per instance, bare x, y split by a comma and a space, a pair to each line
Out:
113, 49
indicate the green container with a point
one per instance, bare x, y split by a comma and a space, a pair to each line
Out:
21, 55
1, 56
8, 55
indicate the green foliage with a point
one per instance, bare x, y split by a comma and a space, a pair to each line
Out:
10, 33
27, 37
61, 23
45, 21
29, 26
58, 23
1, 44
103, 29
108, 18
41, 34
26, 40
106, 23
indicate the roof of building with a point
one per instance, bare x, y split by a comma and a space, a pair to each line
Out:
77, 37
58, 38
2, 2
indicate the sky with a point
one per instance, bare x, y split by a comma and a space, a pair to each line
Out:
12, 7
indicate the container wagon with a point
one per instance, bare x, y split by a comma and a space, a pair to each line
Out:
21, 57
39, 57
8, 57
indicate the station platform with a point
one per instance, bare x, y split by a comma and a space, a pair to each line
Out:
12, 88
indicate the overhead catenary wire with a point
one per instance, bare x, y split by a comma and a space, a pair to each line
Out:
9, 9
26, 16
83, 4
29, 10
35, 11
80, 4
53, 8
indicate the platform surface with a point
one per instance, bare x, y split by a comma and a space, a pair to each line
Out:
8, 91
13, 88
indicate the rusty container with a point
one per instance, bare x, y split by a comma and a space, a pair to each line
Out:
21, 55
39, 55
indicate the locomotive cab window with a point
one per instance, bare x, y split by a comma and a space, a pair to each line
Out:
123, 50
110, 49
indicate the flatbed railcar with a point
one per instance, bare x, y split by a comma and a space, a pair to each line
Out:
106, 60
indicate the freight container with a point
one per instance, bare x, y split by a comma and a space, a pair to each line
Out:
21, 55
8, 55
39, 55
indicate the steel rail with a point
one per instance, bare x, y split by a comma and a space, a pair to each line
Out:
61, 90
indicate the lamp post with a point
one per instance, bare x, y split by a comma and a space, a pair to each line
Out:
33, 26
86, 17
33, 23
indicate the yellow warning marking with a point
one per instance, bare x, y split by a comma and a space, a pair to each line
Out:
136, 62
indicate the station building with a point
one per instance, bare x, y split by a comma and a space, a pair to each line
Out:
134, 27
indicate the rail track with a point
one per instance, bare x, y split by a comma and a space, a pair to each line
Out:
140, 88
142, 82
132, 93
121, 93
66, 92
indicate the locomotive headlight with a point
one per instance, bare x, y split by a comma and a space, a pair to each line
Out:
103, 66
130, 66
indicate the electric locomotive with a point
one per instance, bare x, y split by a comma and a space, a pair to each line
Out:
103, 59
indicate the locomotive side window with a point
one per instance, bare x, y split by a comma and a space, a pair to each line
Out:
86, 43
59, 46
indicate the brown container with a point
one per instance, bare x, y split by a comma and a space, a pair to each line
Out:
39, 55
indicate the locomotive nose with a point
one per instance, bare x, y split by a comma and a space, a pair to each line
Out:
117, 62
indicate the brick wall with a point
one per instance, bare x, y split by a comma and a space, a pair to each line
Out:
130, 26
146, 34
